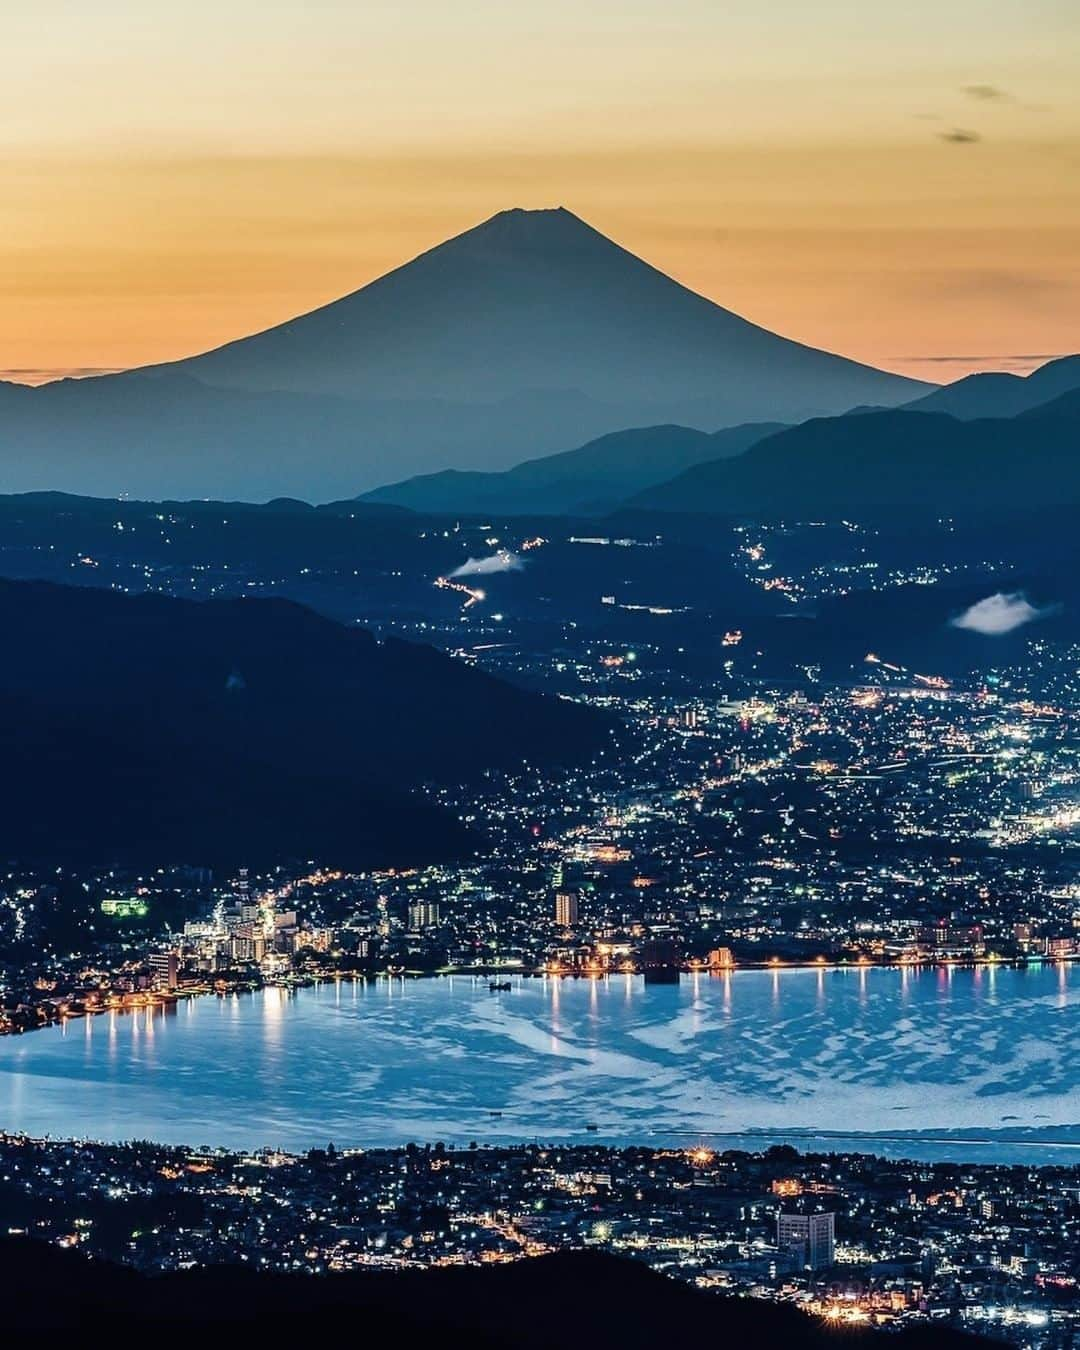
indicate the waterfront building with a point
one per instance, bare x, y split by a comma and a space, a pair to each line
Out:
423, 914
165, 970
567, 909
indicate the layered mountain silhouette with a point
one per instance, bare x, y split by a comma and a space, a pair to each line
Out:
1001, 394
145, 729
528, 335
595, 477
678, 468
897, 459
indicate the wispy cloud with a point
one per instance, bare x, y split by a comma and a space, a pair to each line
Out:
45, 374
992, 93
1017, 363
1005, 358
1000, 613
503, 561
960, 136
987, 93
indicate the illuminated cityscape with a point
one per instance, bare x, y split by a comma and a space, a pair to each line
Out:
884, 818
982, 1248
884, 823
540, 675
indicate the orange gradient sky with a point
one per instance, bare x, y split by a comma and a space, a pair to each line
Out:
901, 184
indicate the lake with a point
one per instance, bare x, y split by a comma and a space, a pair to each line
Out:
977, 1064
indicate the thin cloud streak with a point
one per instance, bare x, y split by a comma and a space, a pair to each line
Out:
46, 374
987, 93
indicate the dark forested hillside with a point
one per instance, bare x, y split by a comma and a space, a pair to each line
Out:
595, 1299
142, 726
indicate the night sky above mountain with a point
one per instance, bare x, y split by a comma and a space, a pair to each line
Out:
897, 183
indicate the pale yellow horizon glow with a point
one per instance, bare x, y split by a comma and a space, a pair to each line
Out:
902, 186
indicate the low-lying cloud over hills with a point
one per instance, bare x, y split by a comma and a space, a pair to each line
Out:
1000, 613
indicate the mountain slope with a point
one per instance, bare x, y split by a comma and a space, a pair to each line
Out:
894, 460
1000, 394
593, 477
167, 435
1066, 405
527, 335
539, 300
147, 728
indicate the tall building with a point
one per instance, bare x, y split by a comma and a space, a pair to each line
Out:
567, 909
423, 914
811, 1238
165, 968
246, 945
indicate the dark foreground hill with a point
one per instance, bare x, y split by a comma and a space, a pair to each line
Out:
595, 477
142, 728
580, 1298
895, 460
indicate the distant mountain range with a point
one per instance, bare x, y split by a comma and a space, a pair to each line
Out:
596, 477
528, 335
878, 460
892, 460
148, 729
1000, 394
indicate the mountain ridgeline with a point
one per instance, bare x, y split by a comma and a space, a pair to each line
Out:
532, 366
1001, 394
528, 335
910, 457
539, 301
907, 458
149, 729
594, 478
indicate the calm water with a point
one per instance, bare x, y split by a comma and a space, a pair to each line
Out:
984, 1062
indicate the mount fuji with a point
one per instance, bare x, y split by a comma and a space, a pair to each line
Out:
525, 336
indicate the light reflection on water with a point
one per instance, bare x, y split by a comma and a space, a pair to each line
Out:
981, 1055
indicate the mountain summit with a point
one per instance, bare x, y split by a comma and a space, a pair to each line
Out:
530, 334
539, 301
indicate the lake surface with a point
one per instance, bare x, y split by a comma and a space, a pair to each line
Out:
977, 1064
